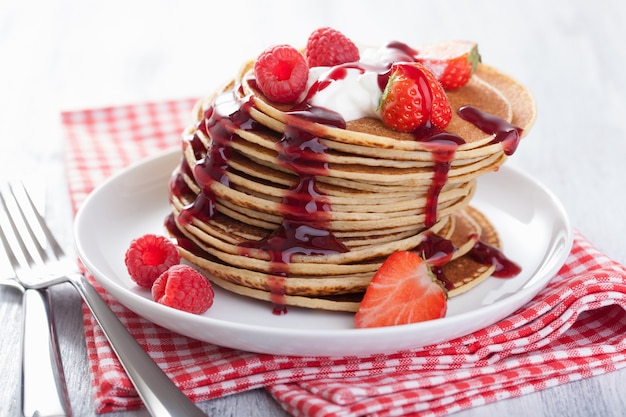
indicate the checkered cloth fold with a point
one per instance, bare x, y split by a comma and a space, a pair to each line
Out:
573, 329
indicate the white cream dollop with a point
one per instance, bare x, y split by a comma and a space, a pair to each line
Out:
354, 96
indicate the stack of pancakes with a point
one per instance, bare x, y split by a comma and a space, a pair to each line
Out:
368, 191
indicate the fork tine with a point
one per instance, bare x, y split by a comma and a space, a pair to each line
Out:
35, 220
38, 259
9, 234
28, 230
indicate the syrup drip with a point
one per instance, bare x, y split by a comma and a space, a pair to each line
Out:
488, 255
504, 132
219, 123
397, 52
437, 251
443, 146
194, 140
181, 240
177, 184
306, 211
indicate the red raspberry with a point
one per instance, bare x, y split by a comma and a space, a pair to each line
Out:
149, 256
328, 47
281, 73
183, 288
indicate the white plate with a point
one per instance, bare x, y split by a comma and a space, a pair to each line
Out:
532, 223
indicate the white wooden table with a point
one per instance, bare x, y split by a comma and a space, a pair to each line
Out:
70, 54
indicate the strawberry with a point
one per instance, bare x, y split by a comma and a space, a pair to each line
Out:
327, 47
148, 256
453, 63
413, 98
402, 291
281, 73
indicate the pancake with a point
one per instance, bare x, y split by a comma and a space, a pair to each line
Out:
372, 133
462, 272
293, 205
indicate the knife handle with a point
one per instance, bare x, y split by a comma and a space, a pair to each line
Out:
44, 393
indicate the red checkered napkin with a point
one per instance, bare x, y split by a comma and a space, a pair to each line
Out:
575, 328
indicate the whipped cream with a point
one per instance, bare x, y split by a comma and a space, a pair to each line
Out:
352, 90
354, 96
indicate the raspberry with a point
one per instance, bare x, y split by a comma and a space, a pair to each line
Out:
328, 47
183, 288
281, 73
149, 256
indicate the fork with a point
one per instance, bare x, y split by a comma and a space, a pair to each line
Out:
29, 237
43, 388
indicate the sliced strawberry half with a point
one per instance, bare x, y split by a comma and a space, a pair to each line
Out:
402, 291
452, 62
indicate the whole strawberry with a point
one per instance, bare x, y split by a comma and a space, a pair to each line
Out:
327, 47
412, 98
402, 291
453, 62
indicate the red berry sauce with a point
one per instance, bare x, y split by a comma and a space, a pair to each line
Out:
306, 211
489, 255
504, 132
437, 251
305, 227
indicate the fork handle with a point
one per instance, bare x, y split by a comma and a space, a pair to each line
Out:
44, 393
159, 394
